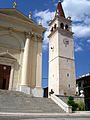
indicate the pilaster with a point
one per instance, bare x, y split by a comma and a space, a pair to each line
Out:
38, 88
11, 78
25, 78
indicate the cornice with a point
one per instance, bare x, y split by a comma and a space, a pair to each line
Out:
16, 20
7, 10
27, 33
62, 31
60, 19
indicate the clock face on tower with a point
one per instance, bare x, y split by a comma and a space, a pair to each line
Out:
66, 41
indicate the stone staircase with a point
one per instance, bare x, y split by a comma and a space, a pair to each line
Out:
13, 101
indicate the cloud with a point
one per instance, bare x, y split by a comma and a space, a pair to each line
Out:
78, 48
77, 9
44, 17
88, 40
79, 12
81, 31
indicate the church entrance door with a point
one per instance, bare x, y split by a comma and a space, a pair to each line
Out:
4, 76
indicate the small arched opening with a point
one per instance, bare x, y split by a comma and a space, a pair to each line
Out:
52, 29
62, 26
55, 26
66, 27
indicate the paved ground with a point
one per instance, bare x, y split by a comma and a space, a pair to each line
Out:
46, 117
42, 118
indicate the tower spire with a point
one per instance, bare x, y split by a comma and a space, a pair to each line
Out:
59, 10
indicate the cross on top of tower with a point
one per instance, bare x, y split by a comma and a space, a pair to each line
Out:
59, 10
14, 4
59, 0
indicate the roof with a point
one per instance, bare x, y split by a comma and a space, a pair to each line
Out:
14, 13
59, 10
84, 76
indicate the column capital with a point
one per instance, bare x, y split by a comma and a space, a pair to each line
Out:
40, 38
29, 34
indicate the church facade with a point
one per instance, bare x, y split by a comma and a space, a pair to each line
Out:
20, 53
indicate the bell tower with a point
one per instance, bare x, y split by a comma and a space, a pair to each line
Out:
61, 55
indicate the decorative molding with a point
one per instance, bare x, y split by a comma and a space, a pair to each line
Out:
61, 31
72, 59
7, 55
33, 36
9, 31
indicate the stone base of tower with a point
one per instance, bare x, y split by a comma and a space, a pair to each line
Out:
67, 93
63, 92
35, 92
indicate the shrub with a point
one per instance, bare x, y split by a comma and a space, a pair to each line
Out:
81, 105
70, 98
71, 102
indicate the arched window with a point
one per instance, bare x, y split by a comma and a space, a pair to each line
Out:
55, 26
52, 29
66, 27
62, 25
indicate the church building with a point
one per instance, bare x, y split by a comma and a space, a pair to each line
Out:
20, 52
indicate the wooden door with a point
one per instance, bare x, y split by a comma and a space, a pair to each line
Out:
4, 76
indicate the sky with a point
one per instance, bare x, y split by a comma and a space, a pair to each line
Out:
43, 11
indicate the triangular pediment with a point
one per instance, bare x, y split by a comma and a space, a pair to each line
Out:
7, 55
15, 13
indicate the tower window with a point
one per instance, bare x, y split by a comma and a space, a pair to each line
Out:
62, 25
66, 27
69, 85
52, 29
67, 60
53, 75
55, 26
52, 48
67, 74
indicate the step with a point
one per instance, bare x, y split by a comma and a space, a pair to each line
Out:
14, 101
